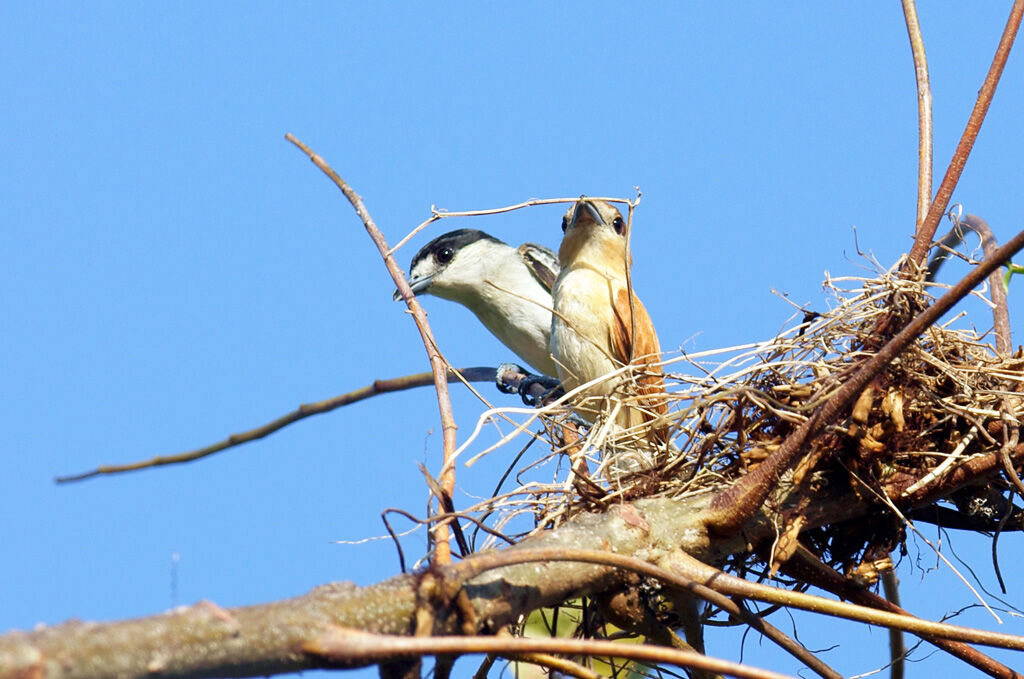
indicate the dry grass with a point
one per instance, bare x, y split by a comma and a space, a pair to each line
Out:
937, 405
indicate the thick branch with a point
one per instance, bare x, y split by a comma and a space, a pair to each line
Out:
204, 640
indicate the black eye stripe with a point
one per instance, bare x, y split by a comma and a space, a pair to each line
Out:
456, 240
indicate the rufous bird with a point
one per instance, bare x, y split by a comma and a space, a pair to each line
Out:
595, 330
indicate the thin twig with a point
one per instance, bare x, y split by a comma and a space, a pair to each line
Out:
808, 568
560, 665
924, 112
442, 554
923, 239
474, 374
444, 214
1004, 347
1000, 310
343, 645
897, 645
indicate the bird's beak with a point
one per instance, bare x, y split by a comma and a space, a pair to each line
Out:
585, 206
418, 285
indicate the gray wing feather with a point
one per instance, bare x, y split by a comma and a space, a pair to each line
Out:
542, 262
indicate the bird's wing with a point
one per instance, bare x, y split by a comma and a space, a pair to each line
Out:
542, 263
642, 347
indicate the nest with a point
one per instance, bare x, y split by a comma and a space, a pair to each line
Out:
947, 399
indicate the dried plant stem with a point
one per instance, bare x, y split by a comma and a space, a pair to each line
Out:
442, 553
343, 645
385, 386
926, 232
924, 111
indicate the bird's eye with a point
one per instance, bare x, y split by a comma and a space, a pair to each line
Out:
565, 224
445, 256
619, 225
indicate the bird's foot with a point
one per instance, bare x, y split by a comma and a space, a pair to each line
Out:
533, 389
536, 390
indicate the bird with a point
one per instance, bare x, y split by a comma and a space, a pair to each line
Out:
507, 288
595, 330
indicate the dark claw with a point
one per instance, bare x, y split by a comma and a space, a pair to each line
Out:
538, 389
508, 376
533, 389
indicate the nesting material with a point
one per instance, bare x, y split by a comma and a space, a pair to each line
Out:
944, 400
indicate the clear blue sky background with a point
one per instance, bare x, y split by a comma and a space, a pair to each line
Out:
173, 271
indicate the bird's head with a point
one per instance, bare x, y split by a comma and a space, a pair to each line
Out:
452, 263
592, 228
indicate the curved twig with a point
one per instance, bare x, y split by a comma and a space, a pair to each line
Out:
442, 553
474, 374
436, 214
348, 646
808, 568
926, 232
1004, 345
924, 111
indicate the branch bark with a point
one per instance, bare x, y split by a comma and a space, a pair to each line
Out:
205, 640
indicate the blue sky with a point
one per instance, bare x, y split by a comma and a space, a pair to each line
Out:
174, 271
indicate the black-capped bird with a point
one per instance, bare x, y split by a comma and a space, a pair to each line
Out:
508, 289
595, 330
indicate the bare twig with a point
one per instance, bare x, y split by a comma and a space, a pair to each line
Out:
1004, 346
808, 568
561, 665
1000, 311
735, 505
897, 645
436, 214
346, 646
442, 554
926, 232
475, 374
924, 111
